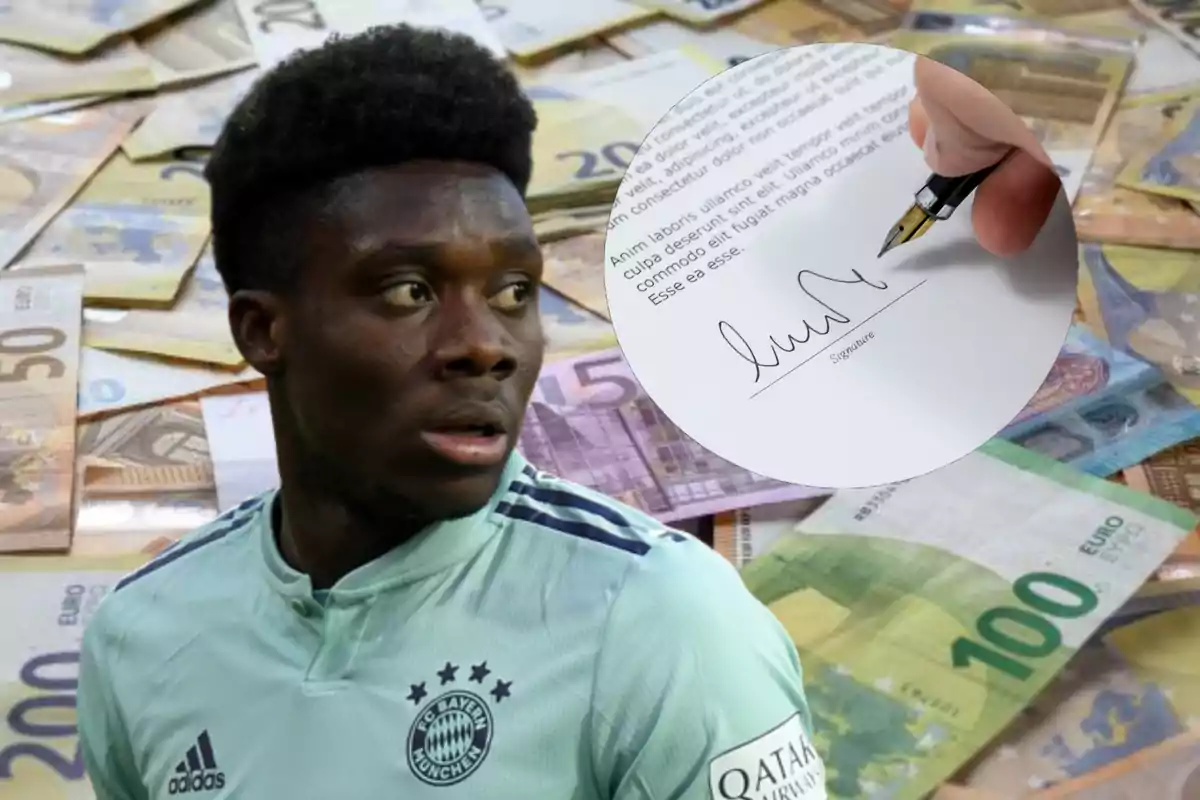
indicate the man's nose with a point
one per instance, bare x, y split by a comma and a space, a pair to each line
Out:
473, 343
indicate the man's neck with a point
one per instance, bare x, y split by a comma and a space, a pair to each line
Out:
323, 539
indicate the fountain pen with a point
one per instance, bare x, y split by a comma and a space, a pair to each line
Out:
936, 201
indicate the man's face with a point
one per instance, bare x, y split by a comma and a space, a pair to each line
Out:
413, 338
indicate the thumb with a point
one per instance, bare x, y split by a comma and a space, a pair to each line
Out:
967, 128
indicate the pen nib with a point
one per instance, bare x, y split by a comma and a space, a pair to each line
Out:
913, 224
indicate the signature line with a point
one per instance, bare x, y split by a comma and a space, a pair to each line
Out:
838, 339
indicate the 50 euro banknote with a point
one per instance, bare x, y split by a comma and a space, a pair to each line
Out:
927, 614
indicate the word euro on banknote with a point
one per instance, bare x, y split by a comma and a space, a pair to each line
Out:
1102, 410
195, 328
1170, 167
39, 670
43, 164
1106, 212
40, 320
927, 614
137, 228
203, 41
78, 26
532, 28
1063, 81
1146, 302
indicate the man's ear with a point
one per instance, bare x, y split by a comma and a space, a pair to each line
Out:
259, 325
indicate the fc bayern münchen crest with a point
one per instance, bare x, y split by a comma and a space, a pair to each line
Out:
450, 738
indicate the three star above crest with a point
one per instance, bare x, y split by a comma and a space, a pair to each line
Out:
449, 674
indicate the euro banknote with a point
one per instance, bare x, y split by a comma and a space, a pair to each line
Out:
202, 41
44, 162
726, 43
137, 228
744, 535
1106, 212
1176, 17
593, 55
278, 28
1063, 81
34, 76
1144, 301
78, 26
196, 328
1163, 63
40, 320
1098, 710
927, 614
1169, 771
1164, 649
1170, 167
700, 12
532, 28
187, 119
1034, 9
44, 108
786, 23
114, 381
39, 670
591, 123
552, 224
574, 267
163, 435
1173, 475
589, 421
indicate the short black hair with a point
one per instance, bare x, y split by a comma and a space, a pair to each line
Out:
386, 96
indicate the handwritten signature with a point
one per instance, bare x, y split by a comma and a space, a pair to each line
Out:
831, 317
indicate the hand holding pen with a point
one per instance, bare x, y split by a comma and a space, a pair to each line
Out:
973, 142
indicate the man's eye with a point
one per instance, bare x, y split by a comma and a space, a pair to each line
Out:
512, 297
410, 294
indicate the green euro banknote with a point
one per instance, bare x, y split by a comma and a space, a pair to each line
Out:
199, 42
40, 319
1106, 212
187, 119
196, 328
1064, 81
78, 26
532, 28
39, 670
34, 76
44, 162
927, 614
137, 228
1171, 166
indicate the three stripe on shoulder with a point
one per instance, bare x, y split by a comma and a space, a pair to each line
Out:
233, 520
565, 511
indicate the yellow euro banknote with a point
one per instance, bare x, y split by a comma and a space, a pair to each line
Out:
1063, 81
533, 28
199, 42
110, 381
1106, 212
186, 119
44, 162
1038, 9
137, 228
196, 328
574, 267
927, 614
1171, 166
34, 76
40, 319
39, 669
78, 26
786, 23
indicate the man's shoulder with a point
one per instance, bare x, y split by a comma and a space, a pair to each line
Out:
207, 558
578, 516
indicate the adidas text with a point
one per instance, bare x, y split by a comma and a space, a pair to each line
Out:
196, 782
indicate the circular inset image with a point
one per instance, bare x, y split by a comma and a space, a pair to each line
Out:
746, 284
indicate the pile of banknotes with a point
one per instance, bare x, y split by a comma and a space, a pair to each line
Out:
1022, 623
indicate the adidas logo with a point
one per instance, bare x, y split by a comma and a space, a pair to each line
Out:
198, 770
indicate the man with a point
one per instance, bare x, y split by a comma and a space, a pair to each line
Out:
417, 612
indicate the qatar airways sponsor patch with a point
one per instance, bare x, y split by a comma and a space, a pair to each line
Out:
782, 764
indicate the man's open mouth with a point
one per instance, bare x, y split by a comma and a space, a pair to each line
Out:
479, 442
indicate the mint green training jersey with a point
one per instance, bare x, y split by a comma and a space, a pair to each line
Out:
556, 645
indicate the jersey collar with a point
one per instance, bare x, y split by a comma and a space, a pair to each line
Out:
439, 546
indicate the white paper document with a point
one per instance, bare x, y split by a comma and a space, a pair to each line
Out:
745, 287
241, 442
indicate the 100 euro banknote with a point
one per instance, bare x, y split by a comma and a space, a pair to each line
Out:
927, 614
